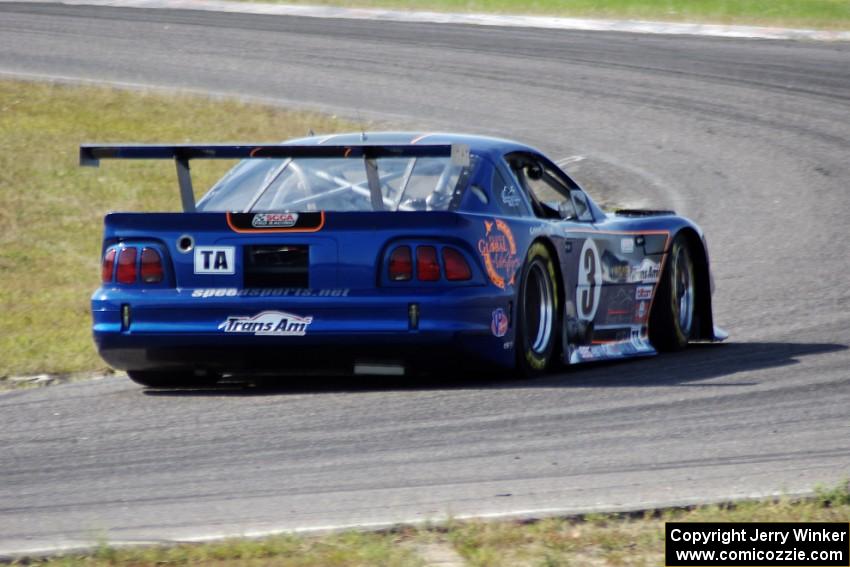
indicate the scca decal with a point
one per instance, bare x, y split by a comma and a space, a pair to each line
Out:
276, 222
498, 250
283, 220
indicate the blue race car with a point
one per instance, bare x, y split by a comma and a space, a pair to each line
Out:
387, 254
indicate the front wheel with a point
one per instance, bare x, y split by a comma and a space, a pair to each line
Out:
537, 312
171, 379
671, 323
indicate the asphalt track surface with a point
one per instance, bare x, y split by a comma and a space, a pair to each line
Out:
750, 138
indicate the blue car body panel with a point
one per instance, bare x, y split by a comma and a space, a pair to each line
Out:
346, 308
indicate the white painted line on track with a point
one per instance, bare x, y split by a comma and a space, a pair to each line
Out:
568, 160
198, 91
505, 20
37, 549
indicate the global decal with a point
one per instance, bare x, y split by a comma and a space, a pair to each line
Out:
276, 220
268, 323
499, 323
498, 250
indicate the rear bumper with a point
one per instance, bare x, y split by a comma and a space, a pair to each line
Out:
179, 329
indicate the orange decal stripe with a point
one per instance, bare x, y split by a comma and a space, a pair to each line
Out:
635, 232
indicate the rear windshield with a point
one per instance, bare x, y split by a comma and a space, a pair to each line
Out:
337, 184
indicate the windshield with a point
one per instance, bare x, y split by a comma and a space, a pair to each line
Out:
337, 184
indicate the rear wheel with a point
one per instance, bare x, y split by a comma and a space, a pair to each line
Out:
171, 379
537, 312
672, 321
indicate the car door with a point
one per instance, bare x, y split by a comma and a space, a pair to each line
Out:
617, 271
606, 274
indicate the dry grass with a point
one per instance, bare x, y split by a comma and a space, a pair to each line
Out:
822, 14
592, 540
614, 540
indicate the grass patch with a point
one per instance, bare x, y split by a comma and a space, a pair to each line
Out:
51, 210
604, 540
822, 14
597, 539
349, 549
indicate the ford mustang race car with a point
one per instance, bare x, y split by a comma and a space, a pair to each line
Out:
385, 254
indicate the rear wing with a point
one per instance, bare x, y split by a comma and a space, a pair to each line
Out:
91, 154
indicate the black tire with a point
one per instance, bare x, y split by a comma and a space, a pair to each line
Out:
171, 379
672, 322
537, 312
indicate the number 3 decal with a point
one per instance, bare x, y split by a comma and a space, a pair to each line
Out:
589, 281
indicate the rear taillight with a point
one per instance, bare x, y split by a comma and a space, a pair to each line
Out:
427, 266
151, 270
108, 266
127, 266
457, 268
401, 264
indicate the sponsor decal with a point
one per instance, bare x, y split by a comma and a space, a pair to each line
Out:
647, 272
641, 311
620, 273
499, 323
274, 220
586, 353
498, 250
204, 293
215, 260
627, 245
636, 340
643, 292
589, 285
632, 343
510, 197
627, 348
268, 323
508, 345
614, 269
620, 305
542, 229
460, 155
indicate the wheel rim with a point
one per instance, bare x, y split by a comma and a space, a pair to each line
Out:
684, 296
538, 307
